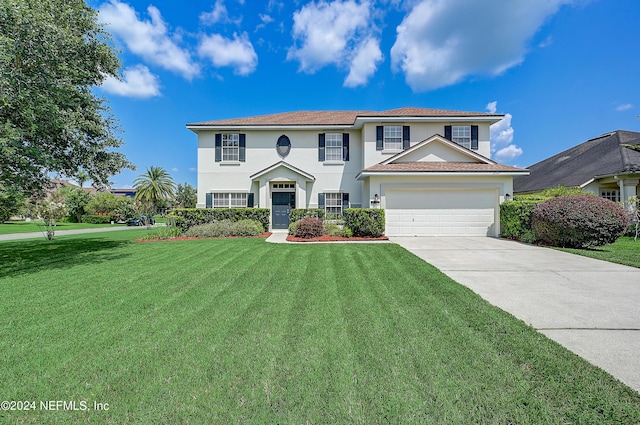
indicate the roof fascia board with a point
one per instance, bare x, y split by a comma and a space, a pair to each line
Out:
360, 120
364, 174
196, 128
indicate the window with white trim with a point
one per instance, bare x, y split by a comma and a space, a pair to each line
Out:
392, 137
229, 200
461, 134
333, 147
610, 194
333, 203
230, 147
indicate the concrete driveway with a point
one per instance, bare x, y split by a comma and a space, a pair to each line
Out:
591, 307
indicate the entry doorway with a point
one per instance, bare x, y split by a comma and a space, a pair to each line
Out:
281, 205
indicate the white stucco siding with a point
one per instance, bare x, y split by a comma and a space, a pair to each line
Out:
261, 153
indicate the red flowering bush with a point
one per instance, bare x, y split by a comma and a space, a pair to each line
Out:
578, 221
308, 228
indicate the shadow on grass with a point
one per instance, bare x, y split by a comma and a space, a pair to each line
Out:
17, 258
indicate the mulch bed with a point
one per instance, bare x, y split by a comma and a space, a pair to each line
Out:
327, 238
263, 235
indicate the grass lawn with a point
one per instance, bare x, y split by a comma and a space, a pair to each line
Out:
623, 251
9, 227
243, 331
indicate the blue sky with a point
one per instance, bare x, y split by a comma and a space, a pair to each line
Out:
562, 71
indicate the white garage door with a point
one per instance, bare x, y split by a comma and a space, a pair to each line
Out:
468, 212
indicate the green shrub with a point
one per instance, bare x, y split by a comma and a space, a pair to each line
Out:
163, 233
247, 228
309, 227
186, 218
515, 218
365, 221
96, 219
218, 229
297, 214
578, 221
554, 192
293, 228
226, 228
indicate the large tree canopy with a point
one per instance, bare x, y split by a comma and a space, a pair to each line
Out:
52, 54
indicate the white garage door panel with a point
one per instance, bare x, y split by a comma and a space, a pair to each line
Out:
440, 213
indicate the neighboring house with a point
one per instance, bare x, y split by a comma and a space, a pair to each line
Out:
131, 193
429, 168
607, 166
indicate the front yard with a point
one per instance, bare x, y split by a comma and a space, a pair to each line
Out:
623, 251
239, 330
9, 227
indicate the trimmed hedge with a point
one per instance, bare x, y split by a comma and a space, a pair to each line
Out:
96, 219
297, 214
579, 221
515, 218
186, 218
365, 221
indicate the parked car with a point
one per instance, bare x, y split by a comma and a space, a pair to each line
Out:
140, 221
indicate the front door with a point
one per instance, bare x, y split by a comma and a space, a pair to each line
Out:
281, 205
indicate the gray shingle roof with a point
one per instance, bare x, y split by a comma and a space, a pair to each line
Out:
604, 155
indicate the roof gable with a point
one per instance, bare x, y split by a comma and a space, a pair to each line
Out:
605, 155
280, 167
437, 149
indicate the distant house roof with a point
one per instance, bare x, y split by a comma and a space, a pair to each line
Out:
344, 118
606, 155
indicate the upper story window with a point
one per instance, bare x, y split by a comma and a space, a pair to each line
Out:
333, 147
464, 135
230, 147
392, 137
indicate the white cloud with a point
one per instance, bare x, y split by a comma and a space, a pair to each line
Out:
624, 107
364, 63
147, 39
502, 132
546, 42
175, 169
336, 33
136, 81
237, 53
507, 154
217, 14
441, 42
193, 169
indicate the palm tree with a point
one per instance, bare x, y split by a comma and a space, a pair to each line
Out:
154, 185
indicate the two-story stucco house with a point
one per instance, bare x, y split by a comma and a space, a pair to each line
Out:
430, 169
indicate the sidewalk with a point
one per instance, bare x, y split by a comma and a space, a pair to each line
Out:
38, 235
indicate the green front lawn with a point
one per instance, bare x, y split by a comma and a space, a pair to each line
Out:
623, 251
9, 227
240, 330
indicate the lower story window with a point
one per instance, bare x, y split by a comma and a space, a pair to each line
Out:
610, 194
333, 203
229, 200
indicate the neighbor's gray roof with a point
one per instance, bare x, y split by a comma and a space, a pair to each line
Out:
602, 156
337, 117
